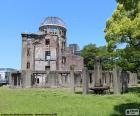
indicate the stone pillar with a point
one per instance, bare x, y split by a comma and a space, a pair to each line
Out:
42, 82
47, 78
17, 79
131, 81
111, 79
124, 78
117, 80
104, 78
135, 78
20, 81
27, 78
53, 78
59, 80
12, 82
24, 53
98, 72
85, 80
93, 79
10, 79
108, 77
132, 78
72, 80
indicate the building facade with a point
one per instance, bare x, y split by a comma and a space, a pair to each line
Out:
47, 61
46, 51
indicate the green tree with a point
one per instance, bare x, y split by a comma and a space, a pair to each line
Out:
106, 58
123, 28
90, 51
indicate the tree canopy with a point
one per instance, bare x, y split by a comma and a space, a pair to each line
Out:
122, 34
123, 28
89, 53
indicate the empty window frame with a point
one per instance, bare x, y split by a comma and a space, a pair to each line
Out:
47, 55
37, 80
28, 51
47, 67
47, 42
28, 65
63, 60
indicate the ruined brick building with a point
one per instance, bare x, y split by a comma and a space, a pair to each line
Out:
48, 62
47, 50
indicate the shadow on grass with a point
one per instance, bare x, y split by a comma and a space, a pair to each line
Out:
92, 93
120, 110
78, 92
134, 89
131, 89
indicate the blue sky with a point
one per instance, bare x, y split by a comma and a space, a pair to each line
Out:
85, 21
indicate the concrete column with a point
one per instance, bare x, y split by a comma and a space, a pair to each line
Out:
13, 81
124, 78
104, 78
59, 80
72, 80
41, 80
85, 80
132, 78
47, 78
93, 79
20, 81
52, 77
135, 78
98, 72
108, 79
24, 53
111, 79
28, 79
117, 80
10, 79
17, 79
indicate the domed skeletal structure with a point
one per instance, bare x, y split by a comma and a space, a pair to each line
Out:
52, 21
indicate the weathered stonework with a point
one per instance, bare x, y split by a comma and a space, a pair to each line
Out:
46, 61
47, 50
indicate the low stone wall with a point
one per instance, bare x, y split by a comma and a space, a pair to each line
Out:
72, 79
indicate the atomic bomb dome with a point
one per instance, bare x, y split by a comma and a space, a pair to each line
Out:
52, 21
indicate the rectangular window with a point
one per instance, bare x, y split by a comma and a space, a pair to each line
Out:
47, 67
28, 51
47, 55
63, 60
28, 65
47, 41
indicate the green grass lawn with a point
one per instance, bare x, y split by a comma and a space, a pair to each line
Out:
65, 103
